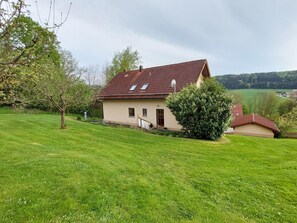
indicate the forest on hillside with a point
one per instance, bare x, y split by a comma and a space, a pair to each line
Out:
270, 80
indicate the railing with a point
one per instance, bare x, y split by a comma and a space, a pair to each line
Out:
144, 124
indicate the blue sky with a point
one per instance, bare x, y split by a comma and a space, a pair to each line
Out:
235, 36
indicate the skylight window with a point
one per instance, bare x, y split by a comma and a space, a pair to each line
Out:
132, 88
144, 86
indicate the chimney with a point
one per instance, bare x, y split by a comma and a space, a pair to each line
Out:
140, 68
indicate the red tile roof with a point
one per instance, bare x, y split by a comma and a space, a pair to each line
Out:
254, 119
237, 110
158, 78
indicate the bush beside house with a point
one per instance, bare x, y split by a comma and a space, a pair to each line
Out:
204, 113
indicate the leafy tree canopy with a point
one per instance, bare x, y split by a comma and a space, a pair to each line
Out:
264, 103
25, 44
124, 60
270, 80
59, 83
288, 121
204, 113
287, 106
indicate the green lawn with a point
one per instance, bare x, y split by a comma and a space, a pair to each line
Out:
93, 173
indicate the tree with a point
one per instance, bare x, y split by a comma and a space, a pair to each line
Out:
92, 76
293, 96
292, 115
10, 11
263, 103
288, 114
124, 60
272, 80
22, 46
59, 82
22, 42
286, 106
204, 112
288, 121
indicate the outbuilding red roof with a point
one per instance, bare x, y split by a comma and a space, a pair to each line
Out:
237, 110
158, 80
254, 119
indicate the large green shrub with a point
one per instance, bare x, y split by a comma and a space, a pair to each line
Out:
204, 113
287, 122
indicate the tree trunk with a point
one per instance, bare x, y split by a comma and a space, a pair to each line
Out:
63, 126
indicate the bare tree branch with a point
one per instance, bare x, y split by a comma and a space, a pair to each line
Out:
52, 13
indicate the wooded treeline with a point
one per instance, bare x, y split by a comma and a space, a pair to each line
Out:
270, 80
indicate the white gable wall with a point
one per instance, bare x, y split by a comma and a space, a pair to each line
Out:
200, 80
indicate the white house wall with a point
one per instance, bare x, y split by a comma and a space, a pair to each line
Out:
117, 111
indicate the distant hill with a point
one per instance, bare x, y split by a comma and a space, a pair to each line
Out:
270, 80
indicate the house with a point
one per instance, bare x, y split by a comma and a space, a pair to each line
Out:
139, 95
254, 125
237, 110
251, 125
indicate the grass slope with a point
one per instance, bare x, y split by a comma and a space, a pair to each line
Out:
90, 173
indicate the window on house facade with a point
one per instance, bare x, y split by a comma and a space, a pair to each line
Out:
144, 112
144, 86
131, 112
132, 88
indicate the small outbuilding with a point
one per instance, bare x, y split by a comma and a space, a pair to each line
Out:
254, 125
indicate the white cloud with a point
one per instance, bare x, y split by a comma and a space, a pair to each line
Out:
235, 36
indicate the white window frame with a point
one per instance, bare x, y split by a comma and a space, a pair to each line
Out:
144, 86
132, 88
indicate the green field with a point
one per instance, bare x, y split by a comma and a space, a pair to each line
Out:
248, 94
94, 173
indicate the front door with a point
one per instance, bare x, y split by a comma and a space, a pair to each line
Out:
160, 117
